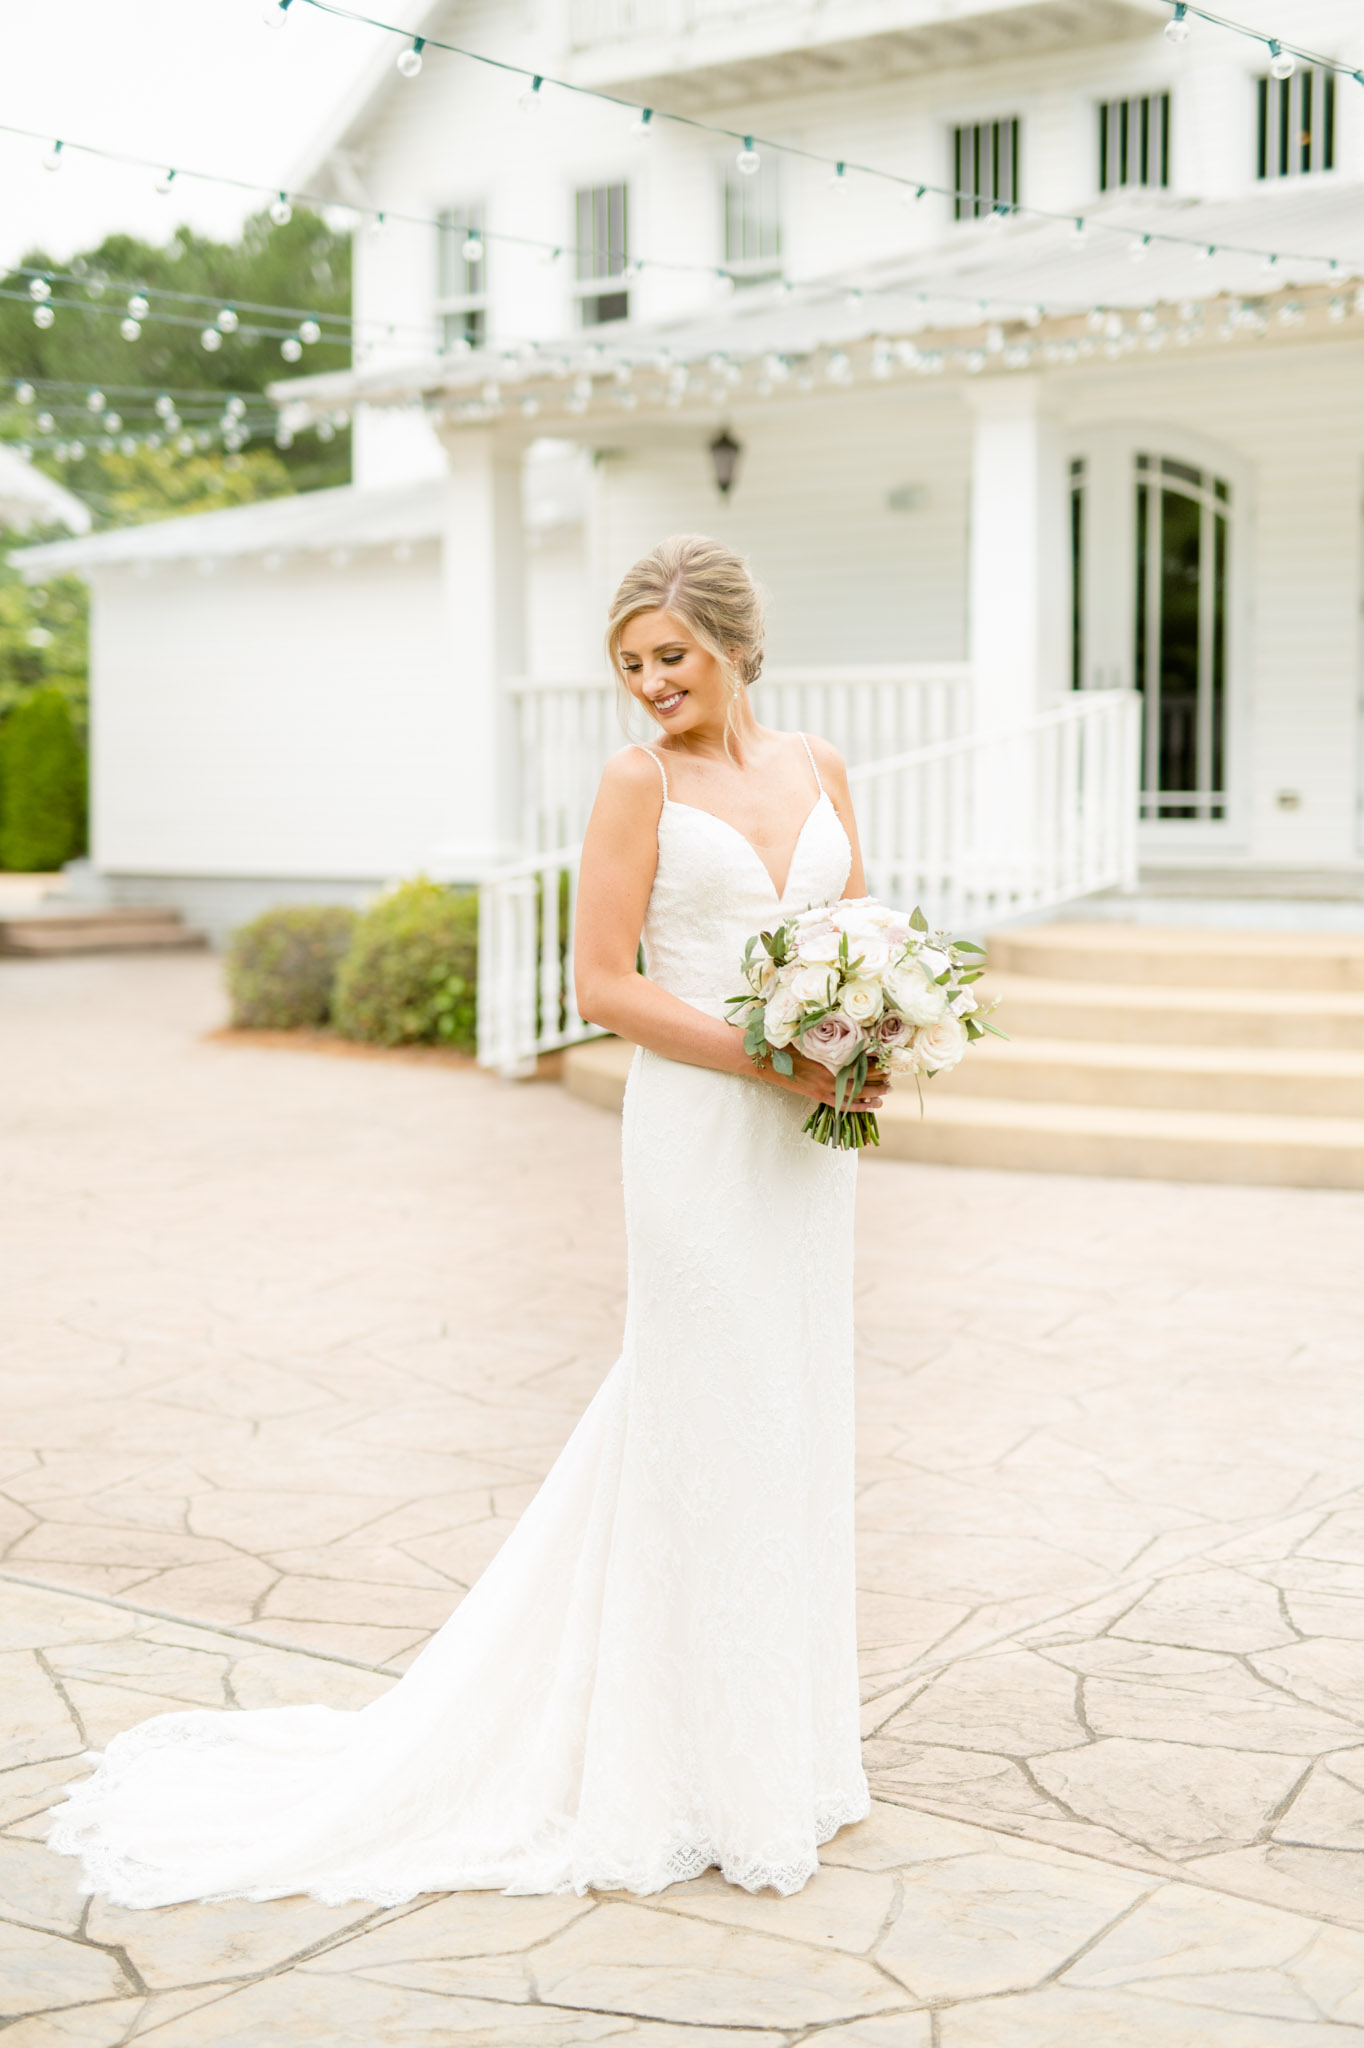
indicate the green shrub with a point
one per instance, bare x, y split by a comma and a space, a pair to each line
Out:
411, 974
281, 968
42, 785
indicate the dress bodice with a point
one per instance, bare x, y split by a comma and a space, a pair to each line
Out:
712, 891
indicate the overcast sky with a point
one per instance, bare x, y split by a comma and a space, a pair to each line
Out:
195, 83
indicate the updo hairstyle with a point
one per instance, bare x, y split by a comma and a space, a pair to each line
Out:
711, 590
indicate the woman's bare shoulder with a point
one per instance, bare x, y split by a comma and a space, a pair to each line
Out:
828, 760
629, 775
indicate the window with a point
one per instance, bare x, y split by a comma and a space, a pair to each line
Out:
985, 168
1077, 574
603, 252
1180, 652
1296, 130
753, 226
461, 286
1134, 142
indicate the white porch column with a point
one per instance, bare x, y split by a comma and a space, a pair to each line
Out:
1018, 551
483, 577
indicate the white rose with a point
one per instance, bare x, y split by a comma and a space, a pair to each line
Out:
963, 1002
819, 944
901, 1059
861, 1000
933, 962
941, 1045
762, 972
923, 1002
781, 1017
870, 951
813, 986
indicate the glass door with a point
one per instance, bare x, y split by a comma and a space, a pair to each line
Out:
1181, 532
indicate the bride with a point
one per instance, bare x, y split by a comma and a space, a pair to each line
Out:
657, 1673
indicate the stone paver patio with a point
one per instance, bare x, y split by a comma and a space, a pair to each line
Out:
289, 1340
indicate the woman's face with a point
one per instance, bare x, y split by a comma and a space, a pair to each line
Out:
677, 680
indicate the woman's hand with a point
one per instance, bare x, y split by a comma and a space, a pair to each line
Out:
817, 1084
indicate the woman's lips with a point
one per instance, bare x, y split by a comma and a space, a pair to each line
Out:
670, 702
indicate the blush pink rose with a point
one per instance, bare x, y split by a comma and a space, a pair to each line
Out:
834, 1042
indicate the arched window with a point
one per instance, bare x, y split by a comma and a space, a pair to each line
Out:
1153, 533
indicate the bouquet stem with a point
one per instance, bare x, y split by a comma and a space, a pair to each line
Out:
848, 1129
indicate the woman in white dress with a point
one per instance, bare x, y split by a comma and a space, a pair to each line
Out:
657, 1673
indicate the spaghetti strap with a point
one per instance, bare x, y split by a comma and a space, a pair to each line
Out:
640, 749
813, 770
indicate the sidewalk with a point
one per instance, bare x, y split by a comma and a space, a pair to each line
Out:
289, 1339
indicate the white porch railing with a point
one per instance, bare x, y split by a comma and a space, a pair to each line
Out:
999, 824
565, 732
976, 828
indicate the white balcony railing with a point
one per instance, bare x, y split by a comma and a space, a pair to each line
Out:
566, 731
975, 829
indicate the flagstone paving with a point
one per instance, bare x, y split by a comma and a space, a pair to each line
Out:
289, 1340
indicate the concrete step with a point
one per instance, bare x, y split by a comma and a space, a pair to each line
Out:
1068, 1137
1235, 1079
1133, 1013
89, 929
1175, 957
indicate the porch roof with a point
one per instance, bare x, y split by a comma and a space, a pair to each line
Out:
1028, 293
310, 523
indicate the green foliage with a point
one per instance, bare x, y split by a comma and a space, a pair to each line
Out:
160, 483
42, 785
304, 266
411, 974
43, 632
281, 967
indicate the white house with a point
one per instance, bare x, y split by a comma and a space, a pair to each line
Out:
990, 459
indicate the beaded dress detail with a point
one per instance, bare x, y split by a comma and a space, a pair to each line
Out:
657, 1672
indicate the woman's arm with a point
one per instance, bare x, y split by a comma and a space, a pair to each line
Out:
620, 854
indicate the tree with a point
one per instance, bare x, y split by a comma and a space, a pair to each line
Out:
42, 785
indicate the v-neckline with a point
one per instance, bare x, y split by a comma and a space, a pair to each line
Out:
672, 803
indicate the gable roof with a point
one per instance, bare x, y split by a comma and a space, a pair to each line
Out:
28, 497
354, 109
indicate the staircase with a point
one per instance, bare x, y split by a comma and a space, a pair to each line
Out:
89, 928
1166, 1054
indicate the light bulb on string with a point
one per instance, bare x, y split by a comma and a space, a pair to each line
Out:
112, 422
1178, 26
165, 181
838, 183
227, 321
291, 349
748, 160
165, 405
410, 61
75, 451
130, 329
44, 423
472, 252
1282, 62
530, 101
1079, 235
138, 306
24, 394
910, 195
235, 409
275, 13
94, 401
39, 288
53, 160
996, 220
309, 332
43, 316
1139, 248
281, 213
642, 127
211, 339
378, 224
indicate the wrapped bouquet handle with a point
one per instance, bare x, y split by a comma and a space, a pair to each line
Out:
861, 989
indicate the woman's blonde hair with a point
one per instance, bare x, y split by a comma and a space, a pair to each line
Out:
711, 590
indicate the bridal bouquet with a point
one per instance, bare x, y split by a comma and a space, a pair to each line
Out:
860, 988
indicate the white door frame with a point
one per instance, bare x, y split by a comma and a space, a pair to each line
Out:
1108, 599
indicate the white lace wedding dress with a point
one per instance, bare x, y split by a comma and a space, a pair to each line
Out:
657, 1672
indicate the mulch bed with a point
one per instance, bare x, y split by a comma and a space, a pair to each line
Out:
547, 1067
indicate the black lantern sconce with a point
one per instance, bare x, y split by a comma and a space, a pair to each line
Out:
724, 456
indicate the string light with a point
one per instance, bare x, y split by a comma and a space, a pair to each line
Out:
227, 321
43, 316
838, 183
1282, 62
53, 160
410, 61
530, 101
275, 13
642, 128
165, 181
130, 329
39, 289
281, 213
1284, 57
138, 306
748, 160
